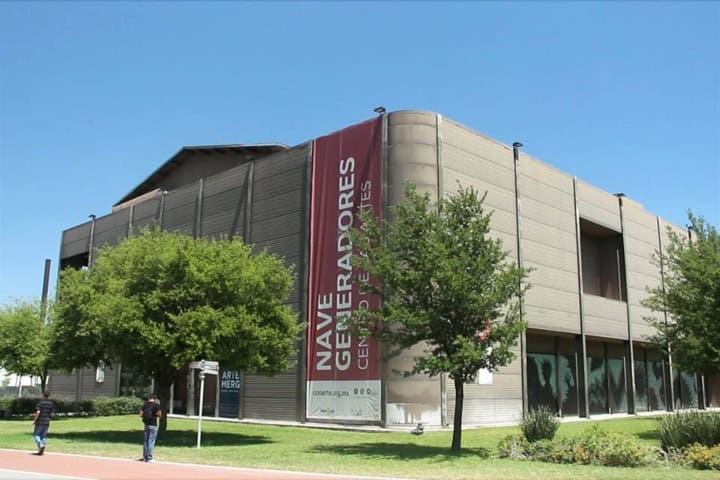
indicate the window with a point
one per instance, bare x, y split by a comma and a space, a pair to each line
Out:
603, 261
552, 374
100, 373
483, 376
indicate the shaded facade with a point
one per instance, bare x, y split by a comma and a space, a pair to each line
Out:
586, 351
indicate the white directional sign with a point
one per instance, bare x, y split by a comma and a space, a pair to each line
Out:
206, 367
209, 367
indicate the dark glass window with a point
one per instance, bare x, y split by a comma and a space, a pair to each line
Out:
567, 375
597, 384
542, 380
685, 389
641, 385
603, 260
656, 384
618, 388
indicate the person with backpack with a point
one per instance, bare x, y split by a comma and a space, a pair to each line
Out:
150, 412
41, 421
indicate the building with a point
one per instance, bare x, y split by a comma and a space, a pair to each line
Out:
586, 351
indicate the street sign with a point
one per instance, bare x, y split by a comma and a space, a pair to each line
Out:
209, 366
206, 367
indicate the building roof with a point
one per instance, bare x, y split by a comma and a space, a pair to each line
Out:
248, 152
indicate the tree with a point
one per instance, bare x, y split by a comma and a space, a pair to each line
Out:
159, 300
25, 340
691, 297
444, 284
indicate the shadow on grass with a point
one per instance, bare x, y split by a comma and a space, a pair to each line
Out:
649, 435
172, 438
400, 451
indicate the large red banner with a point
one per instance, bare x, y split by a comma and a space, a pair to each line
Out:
343, 370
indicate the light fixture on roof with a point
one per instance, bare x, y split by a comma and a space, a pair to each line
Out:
379, 110
516, 146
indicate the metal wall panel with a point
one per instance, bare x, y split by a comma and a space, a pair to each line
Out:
147, 209
146, 214
549, 246
110, 229
91, 389
548, 194
63, 385
277, 215
641, 239
415, 160
545, 255
222, 211
486, 165
411, 154
475, 166
531, 168
75, 241
598, 206
226, 180
478, 146
180, 205
501, 199
270, 397
605, 317
280, 165
499, 402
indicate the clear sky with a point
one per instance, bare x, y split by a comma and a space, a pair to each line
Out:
95, 96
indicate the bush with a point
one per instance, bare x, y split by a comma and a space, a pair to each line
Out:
513, 446
101, 406
539, 424
107, 406
593, 447
680, 430
703, 457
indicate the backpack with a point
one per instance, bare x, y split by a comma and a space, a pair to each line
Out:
149, 413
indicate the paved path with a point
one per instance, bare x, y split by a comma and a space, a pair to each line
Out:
24, 465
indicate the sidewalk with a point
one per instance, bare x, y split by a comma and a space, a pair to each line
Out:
22, 464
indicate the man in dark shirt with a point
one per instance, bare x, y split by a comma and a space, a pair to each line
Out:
41, 420
150, 412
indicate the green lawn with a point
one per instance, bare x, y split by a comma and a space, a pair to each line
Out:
397, 454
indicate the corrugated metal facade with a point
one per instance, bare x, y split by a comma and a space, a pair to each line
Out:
262, 202
265, 202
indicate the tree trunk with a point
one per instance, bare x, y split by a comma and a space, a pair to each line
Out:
43, 381
164, 383
457, 421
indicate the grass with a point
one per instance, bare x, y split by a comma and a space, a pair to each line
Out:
396, 454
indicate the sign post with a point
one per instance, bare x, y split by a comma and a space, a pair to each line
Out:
206, 367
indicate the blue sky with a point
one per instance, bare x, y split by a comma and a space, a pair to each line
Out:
95, 96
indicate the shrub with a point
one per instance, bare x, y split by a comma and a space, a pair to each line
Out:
682, 429
703, 457
106, 406
101, 406
513, 446
539, 424
594, 447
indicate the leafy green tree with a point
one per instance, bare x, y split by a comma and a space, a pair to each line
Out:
691, 296
445, 284
159, 300
25, 340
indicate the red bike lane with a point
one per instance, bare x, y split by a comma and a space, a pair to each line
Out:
102, 468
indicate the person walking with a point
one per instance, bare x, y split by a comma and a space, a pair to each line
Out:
41, 421
150, 412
